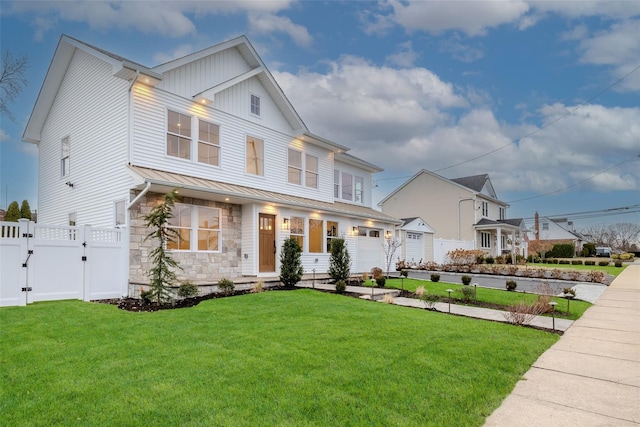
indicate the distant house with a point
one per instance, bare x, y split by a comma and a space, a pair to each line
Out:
556, 231
113, 136
463, 213
416, 238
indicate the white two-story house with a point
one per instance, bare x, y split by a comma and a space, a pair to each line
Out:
464, 213
114, 136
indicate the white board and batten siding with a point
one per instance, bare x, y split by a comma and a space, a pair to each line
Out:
149, 148
91, 108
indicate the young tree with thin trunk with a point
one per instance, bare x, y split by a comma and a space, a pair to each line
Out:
390, 247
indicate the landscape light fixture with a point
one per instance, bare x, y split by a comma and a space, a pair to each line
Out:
553, 313
449, 299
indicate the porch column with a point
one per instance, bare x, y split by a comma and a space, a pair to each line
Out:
499, 242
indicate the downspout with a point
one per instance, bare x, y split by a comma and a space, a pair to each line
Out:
474, 207
129, 113
142, 193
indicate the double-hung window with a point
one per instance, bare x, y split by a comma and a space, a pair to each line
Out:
255, 156
297, 230
65, 159
336, 184
197, 228
485, 208
311, 171
178, 135
255, 105
295, 167
347, 186
208, 143
332, 233
485, 240
358, 192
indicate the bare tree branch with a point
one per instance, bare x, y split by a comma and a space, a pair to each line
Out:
12, 80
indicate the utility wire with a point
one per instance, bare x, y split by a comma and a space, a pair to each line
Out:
568, 113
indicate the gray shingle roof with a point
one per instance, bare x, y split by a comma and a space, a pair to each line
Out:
475, 182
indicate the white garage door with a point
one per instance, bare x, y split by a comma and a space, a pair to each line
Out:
370, 251
414, 246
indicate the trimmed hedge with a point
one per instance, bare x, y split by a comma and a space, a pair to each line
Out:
563, 250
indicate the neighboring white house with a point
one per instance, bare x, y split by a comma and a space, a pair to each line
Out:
463, 213
556, 230
114, 136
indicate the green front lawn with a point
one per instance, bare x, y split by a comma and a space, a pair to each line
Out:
286, 358
492, 296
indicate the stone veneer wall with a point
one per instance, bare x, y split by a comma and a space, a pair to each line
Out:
201, 268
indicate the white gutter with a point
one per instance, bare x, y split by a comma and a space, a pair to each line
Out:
142, 193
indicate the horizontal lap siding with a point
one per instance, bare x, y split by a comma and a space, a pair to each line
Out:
355, 171
91, 108
149, 148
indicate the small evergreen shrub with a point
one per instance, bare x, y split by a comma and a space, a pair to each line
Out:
590, 262
339, 261
146, 295
604, 263
466, 280
618, 263
552, 261
489, 260
588, 249
435, 277
563, 250
576, 262
226, 286
381, 281
341, 286
511, 285
467, 293
291, 269
187, 290
564, 261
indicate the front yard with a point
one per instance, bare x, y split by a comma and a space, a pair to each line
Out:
274, 358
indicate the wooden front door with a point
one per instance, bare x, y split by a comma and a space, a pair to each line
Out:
267, 243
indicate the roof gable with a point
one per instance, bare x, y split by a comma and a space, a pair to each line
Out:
478, 183
416, 224
416, 176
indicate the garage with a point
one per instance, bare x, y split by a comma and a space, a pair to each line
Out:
414, 247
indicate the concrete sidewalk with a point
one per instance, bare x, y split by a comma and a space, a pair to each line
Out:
591, 376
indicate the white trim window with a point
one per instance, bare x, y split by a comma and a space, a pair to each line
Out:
255, 105
332, 233
297, 230
347, 186
73, 219
294, 171
485, 208
120, 213
485, 240
65, 157
208, 143
178, 135
255, 156
311, 171
197, 227
336, 183
503, 212
358, 193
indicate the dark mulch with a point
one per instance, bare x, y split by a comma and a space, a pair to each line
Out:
134, 304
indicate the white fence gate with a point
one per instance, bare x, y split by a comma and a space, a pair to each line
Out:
43, 262
443, 246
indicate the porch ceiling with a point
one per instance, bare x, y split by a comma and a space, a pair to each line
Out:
189, 186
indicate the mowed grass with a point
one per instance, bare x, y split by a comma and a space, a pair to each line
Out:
607, 269
493, 296
286, 358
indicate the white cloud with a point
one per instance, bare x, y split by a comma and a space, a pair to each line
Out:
268, 23
170, 19
461, 51
178, 52
404, 56
3, 136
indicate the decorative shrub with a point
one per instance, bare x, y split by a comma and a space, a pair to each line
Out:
556, 273
258, 287
226, 286
376, 272
552, 261
404, 273
489, 260
576, 262
341, 286
564, 261
146, 295
464, 256
387, 299
291, 269
429, 300
435, 277
603, 263
595, 276
563, 250
588, 249
467, 293
574, 275
511, 285
512, 270
587, 262
340, 261
500, 259
615, 256
626, 256
187, 290
480, 259
569, 292
466, 280
365, 276
420, 291
618, 263
381, 281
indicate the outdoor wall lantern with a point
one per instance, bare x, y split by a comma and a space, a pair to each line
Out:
387, 234
355, 229
285, 223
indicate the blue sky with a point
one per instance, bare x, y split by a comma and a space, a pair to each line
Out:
544, 96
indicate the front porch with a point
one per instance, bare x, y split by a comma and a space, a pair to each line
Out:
502, 237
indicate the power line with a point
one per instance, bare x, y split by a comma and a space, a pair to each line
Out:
594, 213
572, 185
568, 113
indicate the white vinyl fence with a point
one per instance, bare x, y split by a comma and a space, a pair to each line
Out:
443, 246
44, 262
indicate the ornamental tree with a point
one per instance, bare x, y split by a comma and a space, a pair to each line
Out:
340, 260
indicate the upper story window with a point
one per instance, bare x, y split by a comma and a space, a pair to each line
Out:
178, 135
295, 167
336, 184
255, 156
208, 143
347, 186
358, 190
65, 157
255, 105
198, 228
485, 208
545, 225
502, 213
311, 171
